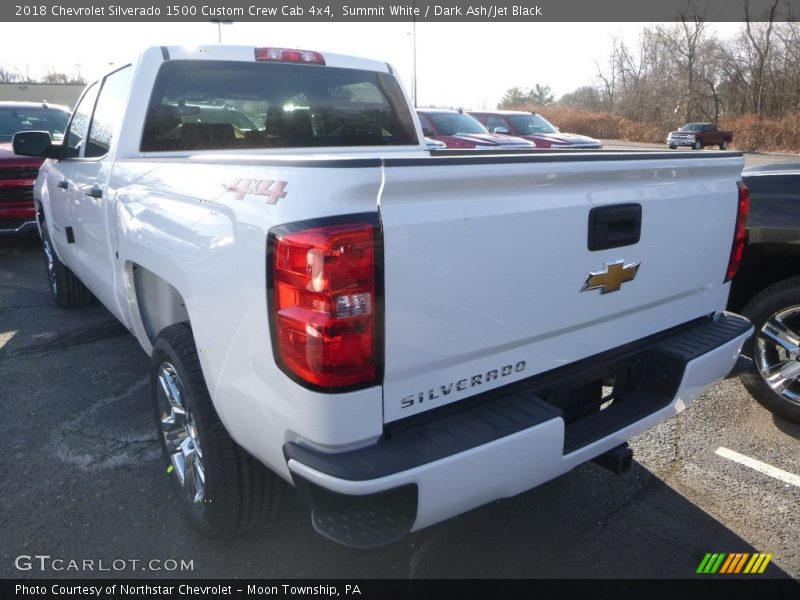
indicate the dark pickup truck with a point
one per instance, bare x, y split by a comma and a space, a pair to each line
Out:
700, 135
766, 288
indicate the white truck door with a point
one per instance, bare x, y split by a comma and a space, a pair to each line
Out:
90, 197
59, 179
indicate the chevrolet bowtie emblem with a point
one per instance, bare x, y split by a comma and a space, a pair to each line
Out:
611, 278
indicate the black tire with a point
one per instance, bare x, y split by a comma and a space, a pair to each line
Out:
774, 300
66, 289
672, 146
697, 145
724, 145
240, 494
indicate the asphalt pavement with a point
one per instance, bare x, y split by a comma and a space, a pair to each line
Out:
83, 480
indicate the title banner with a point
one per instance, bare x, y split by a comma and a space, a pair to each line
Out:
422, 11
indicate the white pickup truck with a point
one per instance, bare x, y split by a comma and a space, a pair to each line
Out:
402, 334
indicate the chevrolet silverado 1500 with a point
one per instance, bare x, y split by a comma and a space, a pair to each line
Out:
402, 334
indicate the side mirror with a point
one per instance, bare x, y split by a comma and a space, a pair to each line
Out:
427, 132
35, 143
500, 130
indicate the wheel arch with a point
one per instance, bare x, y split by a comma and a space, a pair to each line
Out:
158, 303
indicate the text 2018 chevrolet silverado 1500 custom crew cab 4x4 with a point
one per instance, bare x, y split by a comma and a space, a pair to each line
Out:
403, 335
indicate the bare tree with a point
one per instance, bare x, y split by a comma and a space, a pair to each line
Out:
685, 72
683, 43
585, 97
55, 77
609, 80
759, 38
7, 75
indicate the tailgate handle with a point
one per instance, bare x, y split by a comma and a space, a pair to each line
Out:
614, 226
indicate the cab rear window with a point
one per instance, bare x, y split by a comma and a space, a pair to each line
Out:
221, 105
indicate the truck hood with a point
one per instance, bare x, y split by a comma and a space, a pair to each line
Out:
473, 140
8, 158
546, 140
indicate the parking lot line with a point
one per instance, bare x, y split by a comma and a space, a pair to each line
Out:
759, 466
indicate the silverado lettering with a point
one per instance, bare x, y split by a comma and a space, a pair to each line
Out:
461, 384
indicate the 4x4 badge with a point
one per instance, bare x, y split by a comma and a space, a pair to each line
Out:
611, 278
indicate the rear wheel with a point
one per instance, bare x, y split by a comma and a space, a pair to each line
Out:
697, 145
723, 145
222, 488
775, 348
66, 289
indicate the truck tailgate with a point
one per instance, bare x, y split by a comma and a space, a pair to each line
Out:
487, 257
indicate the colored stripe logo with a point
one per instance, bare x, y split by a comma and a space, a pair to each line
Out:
734, 563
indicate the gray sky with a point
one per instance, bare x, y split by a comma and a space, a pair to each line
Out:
458, 64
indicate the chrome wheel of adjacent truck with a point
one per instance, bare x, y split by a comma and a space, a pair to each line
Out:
775, 348
222, 488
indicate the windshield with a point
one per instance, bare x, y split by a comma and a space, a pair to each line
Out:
693, 127
455, 123
526, 124
36, 118
220, 105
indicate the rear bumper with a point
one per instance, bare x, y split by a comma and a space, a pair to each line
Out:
426, 472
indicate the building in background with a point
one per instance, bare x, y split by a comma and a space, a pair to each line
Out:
66, 94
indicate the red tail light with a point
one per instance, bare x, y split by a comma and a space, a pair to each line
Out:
289, 55
325, 305
740, 233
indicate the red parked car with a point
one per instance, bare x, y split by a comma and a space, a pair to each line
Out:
17, 173
535, 128
459, 130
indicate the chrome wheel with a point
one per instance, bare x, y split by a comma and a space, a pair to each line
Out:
49, 263
777, 353
180, 434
